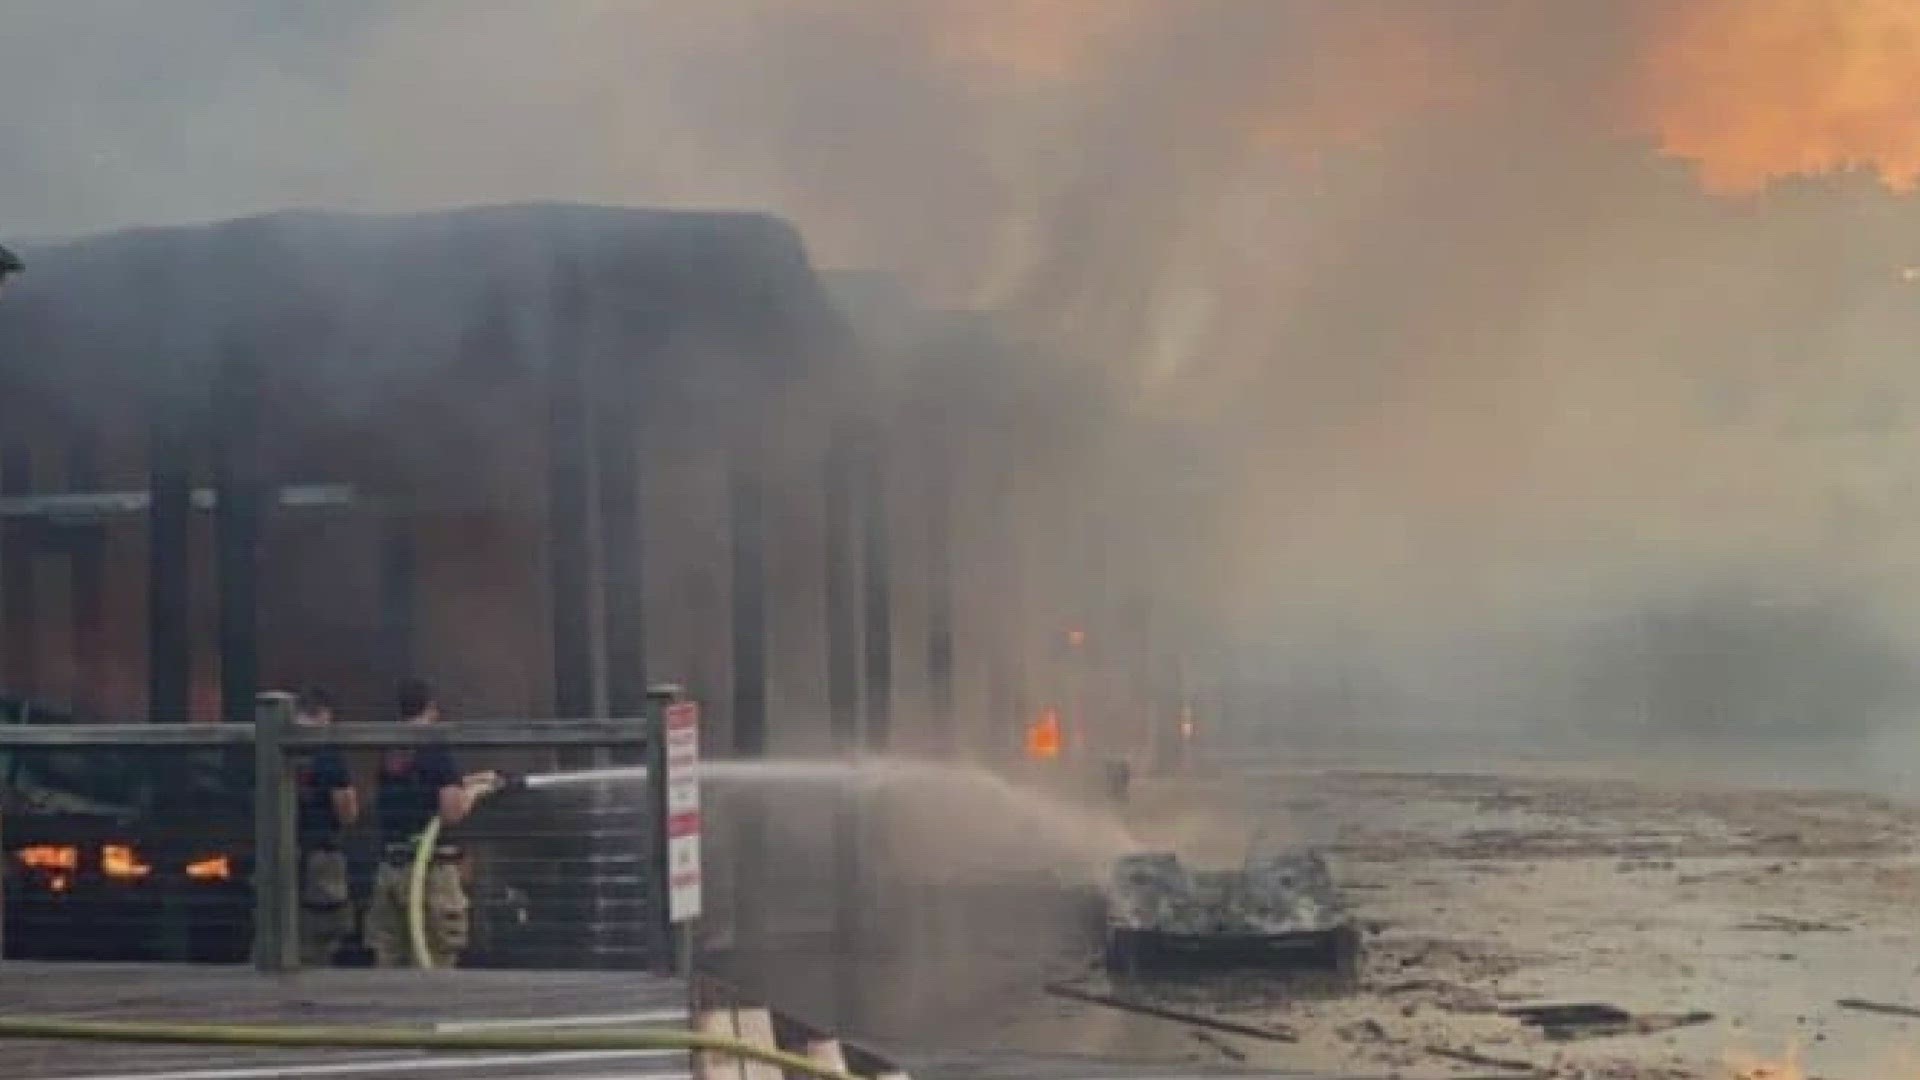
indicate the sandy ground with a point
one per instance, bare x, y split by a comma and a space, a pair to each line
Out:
1523, 885
1663, 886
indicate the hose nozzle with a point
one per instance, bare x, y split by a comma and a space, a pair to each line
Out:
493, 782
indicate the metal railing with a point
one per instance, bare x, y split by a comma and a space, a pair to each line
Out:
277, 741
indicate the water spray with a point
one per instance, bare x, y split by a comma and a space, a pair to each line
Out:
1052, 829
562, 778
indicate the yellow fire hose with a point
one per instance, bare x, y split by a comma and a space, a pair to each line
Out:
363, 1038
417, 893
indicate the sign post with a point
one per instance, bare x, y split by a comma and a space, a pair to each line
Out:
683, 811
673, 760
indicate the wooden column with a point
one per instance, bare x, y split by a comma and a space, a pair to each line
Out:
169, 644
746, 529
399, 569
18, 609
621, 476
276, 912
878, 599
569, 547
87, 570
939, 496
843, 703
842, 629
238, 479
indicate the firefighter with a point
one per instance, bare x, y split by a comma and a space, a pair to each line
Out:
328, 806
416, 784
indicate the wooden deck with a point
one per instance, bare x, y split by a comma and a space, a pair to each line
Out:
448, 1000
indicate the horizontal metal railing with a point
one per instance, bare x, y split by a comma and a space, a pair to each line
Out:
277, 741
473, 733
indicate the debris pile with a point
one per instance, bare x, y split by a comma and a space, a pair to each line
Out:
1276, 908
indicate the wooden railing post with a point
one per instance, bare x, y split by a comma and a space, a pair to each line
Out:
6, 780
276, 856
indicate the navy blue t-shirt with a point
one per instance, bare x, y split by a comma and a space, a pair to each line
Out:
410, 783
319, 777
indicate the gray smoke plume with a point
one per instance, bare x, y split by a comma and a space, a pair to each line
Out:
1388, 333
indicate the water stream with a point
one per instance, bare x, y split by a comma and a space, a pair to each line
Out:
950, 799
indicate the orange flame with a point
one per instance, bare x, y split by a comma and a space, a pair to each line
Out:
49, 857
1750, 91
215, 868
1756, 90
1043, 736
121, 861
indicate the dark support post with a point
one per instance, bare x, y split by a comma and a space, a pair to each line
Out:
1000, 707
618, 473
169, 649
746, 525
569, 550
16, 579
843, 694
879, 601
276, 939
877, 560
237, 475
843, 690
939, 497
617, 432
1006, 679
399, 564
16, 598
88, 567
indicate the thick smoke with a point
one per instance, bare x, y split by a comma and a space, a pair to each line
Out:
1406, 333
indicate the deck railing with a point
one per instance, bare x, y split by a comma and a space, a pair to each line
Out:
277, 742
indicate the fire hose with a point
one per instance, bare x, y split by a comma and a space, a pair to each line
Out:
417, 892
430, 838
364, 1038
417, 877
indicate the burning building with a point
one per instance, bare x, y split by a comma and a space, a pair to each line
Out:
343, 448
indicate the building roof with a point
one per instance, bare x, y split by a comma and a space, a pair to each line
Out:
345, 296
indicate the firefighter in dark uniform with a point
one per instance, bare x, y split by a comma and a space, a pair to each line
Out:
328, 805
416, 785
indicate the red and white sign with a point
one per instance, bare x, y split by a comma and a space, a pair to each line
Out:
683, 811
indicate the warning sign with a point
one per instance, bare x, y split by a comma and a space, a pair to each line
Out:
683, 811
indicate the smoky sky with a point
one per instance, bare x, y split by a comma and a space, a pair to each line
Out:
1487, 313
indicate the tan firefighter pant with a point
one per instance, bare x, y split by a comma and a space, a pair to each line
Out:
447, 917
326, 908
